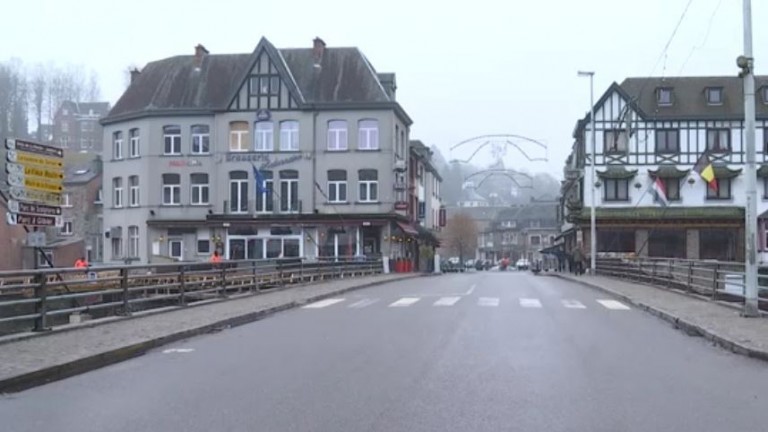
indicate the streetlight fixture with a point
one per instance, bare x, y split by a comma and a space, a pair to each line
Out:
592, 226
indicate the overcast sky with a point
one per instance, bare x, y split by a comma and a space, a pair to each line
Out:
476, 68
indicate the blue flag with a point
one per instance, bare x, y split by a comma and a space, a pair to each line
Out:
261, 183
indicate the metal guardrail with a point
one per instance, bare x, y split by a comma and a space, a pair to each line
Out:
717, 280
36, 300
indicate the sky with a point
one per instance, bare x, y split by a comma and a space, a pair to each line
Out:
464, 69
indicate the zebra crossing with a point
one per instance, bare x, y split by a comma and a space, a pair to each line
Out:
449, 301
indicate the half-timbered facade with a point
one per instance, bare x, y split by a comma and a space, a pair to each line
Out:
276, 153
649, 128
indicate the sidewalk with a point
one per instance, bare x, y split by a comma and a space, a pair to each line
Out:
51, 356
716, 322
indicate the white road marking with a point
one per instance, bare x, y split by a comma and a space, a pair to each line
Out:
471, 290
613, 304
447, 301
323, 303
530, 303
573, 304
178, 350
363, 303
488, 301
405, 302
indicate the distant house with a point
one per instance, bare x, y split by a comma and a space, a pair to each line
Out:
76, 126
521, 231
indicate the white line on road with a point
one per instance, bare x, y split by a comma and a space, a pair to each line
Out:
530, 303
573, 304
613, 304
323, 303
405, 302
178, 350
471, 290
488, 301
363, 303
447, 301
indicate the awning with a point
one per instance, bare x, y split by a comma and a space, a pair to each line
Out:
722, 171
428, 236
668, 171
407, 228
762, 171
617, 172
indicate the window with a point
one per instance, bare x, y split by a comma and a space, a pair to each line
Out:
66, 228
99, 197
44, 258
369, 185
199, 182
238, 192
667, 141
117, 192
171, 189
64, 142
86, 143
719, 140
264, 136
672, 188
714, 96
664, 96
535, 240
176, 249
133, 191
616, 189
264, 201
765, 194
289, 135
65, 127
337, 186
203, 246
723, 190
615, 141
66, 199
134, 144
764, 91
368, 138
172, 138
117, 248
238, 136
117, 145
201, 139
133, 241
265, 85
289, 191
86, 126
337, 135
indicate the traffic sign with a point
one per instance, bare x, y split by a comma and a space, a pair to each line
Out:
40, 209
31, 147
34, 183
36, 239
31, 159
21, 194
34, 171
33, 220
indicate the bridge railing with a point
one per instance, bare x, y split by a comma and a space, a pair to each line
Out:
716, 280
39, 299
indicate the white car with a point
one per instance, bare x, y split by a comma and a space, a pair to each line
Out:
523, 264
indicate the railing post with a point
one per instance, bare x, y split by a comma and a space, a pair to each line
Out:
670, 274
124, 286
280, 274
182, 287
653, 272
715, 272
41, 307
254, 277
689, 286
223, 285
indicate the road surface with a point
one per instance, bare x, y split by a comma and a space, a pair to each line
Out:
487, 351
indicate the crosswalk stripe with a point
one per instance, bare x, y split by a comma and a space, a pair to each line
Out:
530, 303
573, 304
362, 303
405, 302
323, 303
447, 301
613, 304
488, 301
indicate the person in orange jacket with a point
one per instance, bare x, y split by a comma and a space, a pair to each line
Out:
81, 263
215, 258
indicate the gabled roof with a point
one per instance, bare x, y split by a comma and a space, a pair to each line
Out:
176, 85
99, 109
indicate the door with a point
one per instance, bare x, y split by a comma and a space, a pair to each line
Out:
176, 249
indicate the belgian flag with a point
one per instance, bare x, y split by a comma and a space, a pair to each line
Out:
706, 171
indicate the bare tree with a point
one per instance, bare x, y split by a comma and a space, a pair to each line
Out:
460, 235
38, 84
13, 100
92, 90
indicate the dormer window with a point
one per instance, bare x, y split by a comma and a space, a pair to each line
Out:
714, 95
765, 95
664, 96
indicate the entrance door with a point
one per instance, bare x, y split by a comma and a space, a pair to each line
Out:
255, 248
236, 249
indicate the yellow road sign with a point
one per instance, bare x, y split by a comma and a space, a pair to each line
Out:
35, 171
35, 183
21, 194
25, 158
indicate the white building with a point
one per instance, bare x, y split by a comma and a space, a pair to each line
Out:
660, 127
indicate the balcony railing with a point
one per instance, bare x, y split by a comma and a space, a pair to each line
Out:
251, 208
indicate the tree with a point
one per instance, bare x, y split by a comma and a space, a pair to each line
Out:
460, 235
13, 101
38, 83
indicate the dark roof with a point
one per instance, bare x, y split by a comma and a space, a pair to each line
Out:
79, 175
689, 97
99, 109
176, 85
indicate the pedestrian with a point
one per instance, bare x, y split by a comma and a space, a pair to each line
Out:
81, 263
215, 258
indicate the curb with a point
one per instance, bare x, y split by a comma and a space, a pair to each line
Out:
686, 326
65, 370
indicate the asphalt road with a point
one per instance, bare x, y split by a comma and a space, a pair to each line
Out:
487, 351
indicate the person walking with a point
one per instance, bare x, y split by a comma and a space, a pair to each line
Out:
81, 263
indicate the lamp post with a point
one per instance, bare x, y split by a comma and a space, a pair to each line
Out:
593, 191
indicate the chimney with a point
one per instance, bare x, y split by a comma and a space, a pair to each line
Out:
318, 49
200, 53
135, 72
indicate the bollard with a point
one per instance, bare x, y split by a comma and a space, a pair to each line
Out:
124, 286
41, 292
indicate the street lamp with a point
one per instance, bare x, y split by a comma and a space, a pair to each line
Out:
592, 227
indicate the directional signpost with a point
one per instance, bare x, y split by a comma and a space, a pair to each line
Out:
35, 176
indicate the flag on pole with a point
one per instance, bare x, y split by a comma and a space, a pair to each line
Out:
261, 183
706, 171
659, 191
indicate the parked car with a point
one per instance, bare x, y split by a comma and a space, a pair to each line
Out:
482, 265
523, 264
